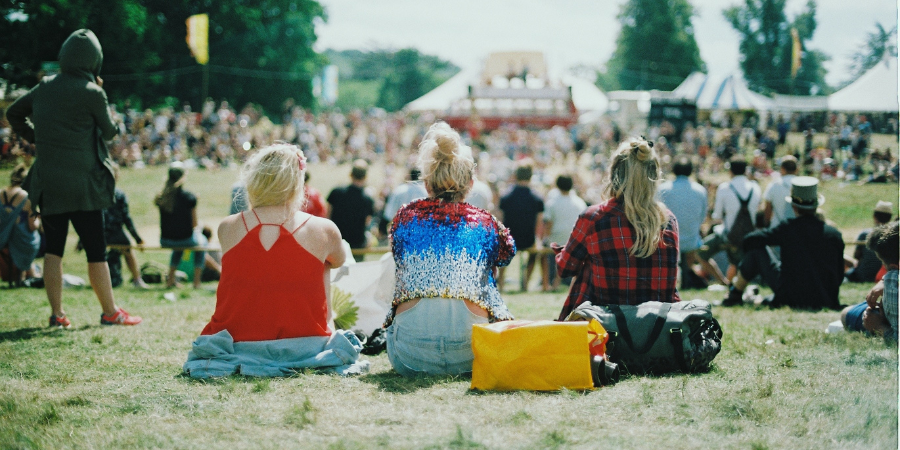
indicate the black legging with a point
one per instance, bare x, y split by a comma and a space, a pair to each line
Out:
760, 262
88, 225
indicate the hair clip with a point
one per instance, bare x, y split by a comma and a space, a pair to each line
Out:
301, 161
648, 141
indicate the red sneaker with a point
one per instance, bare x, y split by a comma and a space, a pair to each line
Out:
121, 317
60, 322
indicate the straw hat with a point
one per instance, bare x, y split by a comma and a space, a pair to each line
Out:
884, 207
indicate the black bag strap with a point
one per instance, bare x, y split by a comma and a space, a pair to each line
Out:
658, 324
744, 202
677, 340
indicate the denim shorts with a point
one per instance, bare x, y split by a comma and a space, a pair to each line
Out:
854, 317
197, 239
434, 337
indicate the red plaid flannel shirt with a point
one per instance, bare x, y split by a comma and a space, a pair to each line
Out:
605, 273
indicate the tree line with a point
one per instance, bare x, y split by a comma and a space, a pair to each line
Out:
656, 48
262, 51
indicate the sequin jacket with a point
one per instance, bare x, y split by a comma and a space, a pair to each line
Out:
444, 249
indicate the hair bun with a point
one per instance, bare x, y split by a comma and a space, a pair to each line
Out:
642, 150
446, 147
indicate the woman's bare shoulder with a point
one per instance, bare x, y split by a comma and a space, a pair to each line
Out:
231, 231
323, 226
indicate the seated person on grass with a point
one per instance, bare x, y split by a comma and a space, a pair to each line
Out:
879, 317
623, 250
273, 306
810, 269
446, 251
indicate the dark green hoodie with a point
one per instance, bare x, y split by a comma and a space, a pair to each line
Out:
72, 121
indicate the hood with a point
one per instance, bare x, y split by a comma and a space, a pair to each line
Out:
81, 55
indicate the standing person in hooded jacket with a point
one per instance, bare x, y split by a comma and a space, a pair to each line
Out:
72, 179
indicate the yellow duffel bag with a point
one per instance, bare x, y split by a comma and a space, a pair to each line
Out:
535, 355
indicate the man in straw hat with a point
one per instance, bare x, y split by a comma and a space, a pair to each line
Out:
811, 268
867, 264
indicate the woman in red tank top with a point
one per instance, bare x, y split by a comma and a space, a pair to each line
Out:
276, 259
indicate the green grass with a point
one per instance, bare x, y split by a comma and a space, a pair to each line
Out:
780, 381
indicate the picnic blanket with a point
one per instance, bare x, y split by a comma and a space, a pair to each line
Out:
218, 355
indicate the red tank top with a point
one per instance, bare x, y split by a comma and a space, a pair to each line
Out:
270, 294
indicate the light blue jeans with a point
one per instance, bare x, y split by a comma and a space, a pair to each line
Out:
434, 337
196, 240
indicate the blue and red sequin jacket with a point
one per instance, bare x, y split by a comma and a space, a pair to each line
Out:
447, 249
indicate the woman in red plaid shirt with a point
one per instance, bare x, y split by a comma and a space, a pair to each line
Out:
624, 250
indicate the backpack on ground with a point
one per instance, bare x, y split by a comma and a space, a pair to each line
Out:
656, 337
743, 223
153, 272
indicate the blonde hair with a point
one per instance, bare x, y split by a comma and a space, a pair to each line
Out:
633, 176
273, 176
447, 165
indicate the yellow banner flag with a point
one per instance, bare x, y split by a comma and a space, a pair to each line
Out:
198, 37
796, 50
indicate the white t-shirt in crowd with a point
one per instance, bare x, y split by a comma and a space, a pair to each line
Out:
563, 211
775, 193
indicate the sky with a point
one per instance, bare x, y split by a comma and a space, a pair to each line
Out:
572, 32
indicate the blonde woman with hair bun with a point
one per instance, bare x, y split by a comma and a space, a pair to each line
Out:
275, 258
445, 252
625, 249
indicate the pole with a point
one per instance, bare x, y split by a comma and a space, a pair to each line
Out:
204, 92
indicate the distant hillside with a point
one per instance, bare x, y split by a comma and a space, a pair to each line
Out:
387, 79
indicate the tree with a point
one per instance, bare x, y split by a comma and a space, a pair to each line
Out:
406, 75
656, 48
260, 51
878, 44
767, 47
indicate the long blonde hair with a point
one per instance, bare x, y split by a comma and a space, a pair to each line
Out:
274, 176
633, 176
447, 165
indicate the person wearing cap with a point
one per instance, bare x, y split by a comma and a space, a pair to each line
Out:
811, 268
867, 262
178, 224
72, 177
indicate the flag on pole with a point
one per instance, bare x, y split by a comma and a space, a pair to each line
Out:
796, 50
198, 37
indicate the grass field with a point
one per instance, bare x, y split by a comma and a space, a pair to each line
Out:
779, 382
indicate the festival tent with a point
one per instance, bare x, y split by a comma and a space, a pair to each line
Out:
586, 95
874, 91
800, 103
729, 93
444, 96
447, 96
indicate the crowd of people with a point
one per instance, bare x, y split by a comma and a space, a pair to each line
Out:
472, 203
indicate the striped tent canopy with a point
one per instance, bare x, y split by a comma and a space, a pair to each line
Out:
730, 93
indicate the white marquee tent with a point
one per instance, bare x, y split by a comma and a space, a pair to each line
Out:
874, 91
716, 93
585, 95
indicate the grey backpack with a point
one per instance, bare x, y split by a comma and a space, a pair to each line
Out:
656, 337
